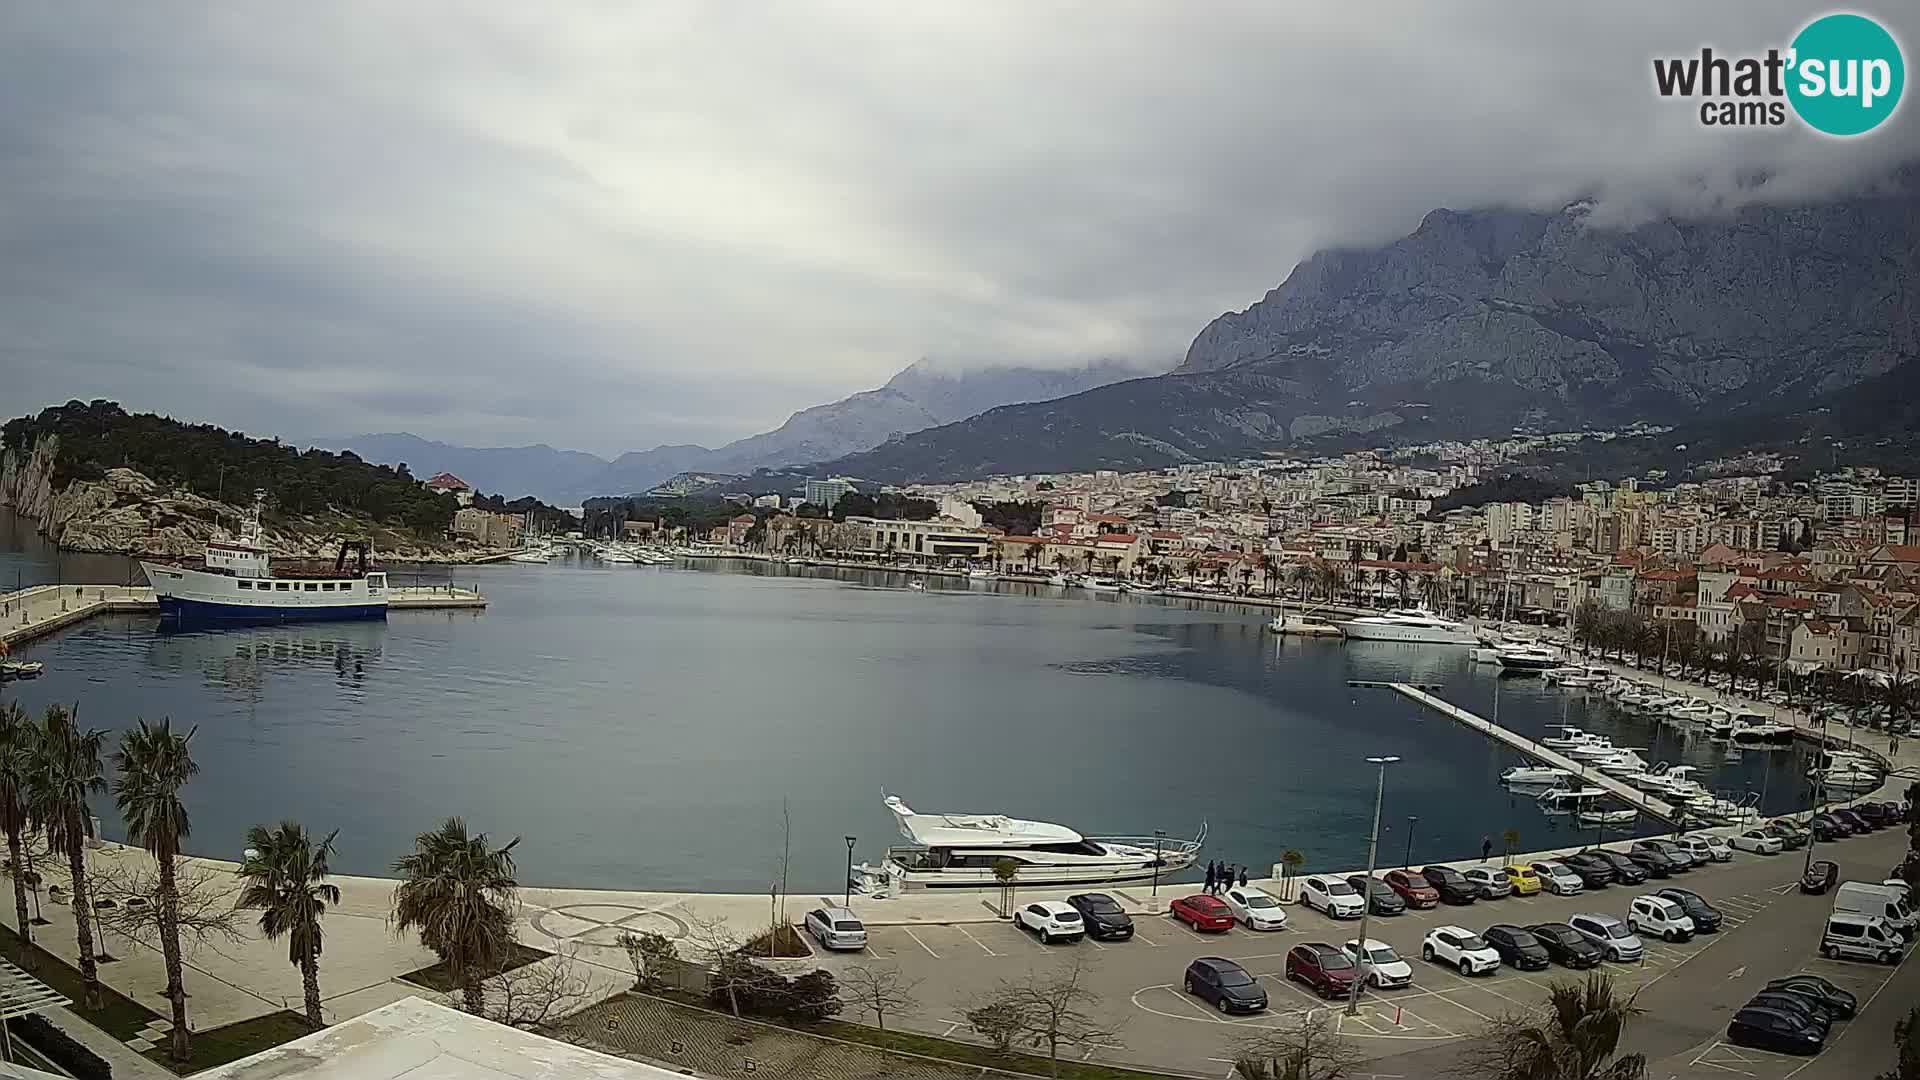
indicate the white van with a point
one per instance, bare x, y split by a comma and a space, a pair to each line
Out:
1860, 937
1659, 917
1885, 901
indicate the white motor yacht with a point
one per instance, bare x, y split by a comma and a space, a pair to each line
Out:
1597, 748
976, 573
1692, 711
1414, 626
1101, 585
1529, 658
1571, 800
531, 555
960, 851
1525, 775
1594, 818
1764, 735
1568, 737
1625, 761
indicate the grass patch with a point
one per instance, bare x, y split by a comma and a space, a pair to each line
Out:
785, 943
233, 1042
933, 1046
440, 976
119, 1016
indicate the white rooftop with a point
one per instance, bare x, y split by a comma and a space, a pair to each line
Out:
420, 1040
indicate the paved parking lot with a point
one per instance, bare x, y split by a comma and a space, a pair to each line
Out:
1139, 980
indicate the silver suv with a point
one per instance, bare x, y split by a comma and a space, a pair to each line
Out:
836, 928
1616, 940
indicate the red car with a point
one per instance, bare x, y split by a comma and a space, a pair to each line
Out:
1324, 969
1413, 888
1202, 912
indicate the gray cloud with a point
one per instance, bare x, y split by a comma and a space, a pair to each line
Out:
624, 225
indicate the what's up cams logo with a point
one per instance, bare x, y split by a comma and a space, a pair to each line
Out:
1842, 76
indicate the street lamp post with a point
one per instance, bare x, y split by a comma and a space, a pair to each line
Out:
1366, 897
1411, 821
1159, 836
851, 840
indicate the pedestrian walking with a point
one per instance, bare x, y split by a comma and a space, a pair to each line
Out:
1486, 848
1243, 876
1211, 877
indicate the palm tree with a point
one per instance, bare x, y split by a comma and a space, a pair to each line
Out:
16, 772
457, 892
287, 881
1062, 560
1302, 575
1573, 1038
1401, 576
66, 769
154, 764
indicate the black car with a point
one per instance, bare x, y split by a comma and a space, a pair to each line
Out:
1594, 871
1791, 836
1827, 827
1452, 885
1853, 820
1101, 916
1706, 918
1839, 1002
1780, 1032
1224, 984
1876, 814
1517, 947
1380, 896
1625, 870
1565, 945
1651, 859
1819, 876
1786, 1001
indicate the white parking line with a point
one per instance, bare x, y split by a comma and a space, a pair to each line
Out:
977, 941
917, 941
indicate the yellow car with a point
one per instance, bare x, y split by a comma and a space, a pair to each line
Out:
1525, 881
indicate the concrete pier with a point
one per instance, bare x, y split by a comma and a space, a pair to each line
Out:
1626, 793
42, 609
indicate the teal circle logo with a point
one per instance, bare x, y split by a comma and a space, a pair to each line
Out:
1847, 74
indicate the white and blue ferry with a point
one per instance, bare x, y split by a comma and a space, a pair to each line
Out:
238, 584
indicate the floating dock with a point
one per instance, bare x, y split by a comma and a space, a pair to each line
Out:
1625, 792
42, 609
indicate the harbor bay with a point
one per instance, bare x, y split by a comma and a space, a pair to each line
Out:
643, 727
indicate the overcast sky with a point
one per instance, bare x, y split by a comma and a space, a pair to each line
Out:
612, 226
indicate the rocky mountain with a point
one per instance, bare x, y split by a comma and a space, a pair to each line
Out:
1481, 321
922, 396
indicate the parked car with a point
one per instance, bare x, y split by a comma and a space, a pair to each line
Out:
1525, 882
1826, 827
1681, 858
1625, 870
1414, 888
1382, 966
1652, 860
1707, 847
1706, 918
1331, 895
1854, 820
1792, 836
1788, 1002
1225, 985
1380, 895
1820, 876
1876, 814
1452, 886
1757, 842
1518, 948
1491, 881
1255, 909
1780, 1032
1202, 912
1566, 945
1660, 917
1321, 968
1841, 1003
1616, 941
1461, 948
1849, 936
1557, 879
836, 928
1595, 872
1102, 916
1051, 920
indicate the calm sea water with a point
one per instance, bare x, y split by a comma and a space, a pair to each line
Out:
641, 727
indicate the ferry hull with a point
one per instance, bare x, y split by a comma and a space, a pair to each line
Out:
180, 609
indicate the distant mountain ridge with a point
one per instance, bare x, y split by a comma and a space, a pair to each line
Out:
921, 396
1481, 321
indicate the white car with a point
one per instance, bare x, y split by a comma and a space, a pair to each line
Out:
1757, 842
1051, 920
1256, 910
1333, 896
836, 928
1383, 966
1659, 917
1707, 847
1461, 948
1558, 879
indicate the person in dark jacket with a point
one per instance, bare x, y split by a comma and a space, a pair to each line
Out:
1243, 877
1212, 876
1486, 848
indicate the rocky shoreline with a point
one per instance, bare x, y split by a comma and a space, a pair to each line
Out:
127, 513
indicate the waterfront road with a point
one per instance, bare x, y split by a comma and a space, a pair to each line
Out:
1688, 990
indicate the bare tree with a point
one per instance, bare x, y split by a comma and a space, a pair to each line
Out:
878, 990
1301, 1048
205, 902
536, 996
717, 946
1054, 1009
651, 954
